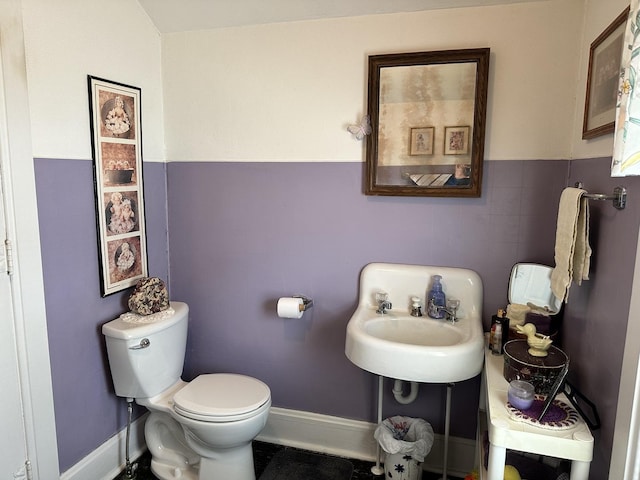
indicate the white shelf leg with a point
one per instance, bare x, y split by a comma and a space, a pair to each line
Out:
497, 457
579, 470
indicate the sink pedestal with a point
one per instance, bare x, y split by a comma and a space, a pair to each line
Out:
377, 468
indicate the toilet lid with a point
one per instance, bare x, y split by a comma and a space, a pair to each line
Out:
221, 395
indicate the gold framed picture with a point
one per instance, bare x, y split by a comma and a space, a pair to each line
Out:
421, 141
456, 140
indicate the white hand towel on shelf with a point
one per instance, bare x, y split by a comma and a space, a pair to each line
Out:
572, 251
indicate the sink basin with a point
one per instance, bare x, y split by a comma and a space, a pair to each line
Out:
420, 349
413, 331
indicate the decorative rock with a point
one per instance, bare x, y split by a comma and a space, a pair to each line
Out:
149, 296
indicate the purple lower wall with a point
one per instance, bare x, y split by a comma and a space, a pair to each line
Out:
595, 321
87, 411
243, 234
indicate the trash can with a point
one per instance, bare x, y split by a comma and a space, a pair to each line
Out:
406, 442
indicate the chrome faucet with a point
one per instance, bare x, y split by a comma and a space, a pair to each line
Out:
451, 310
383, 306
383, 303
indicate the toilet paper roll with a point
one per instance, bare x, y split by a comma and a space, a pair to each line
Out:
290, 307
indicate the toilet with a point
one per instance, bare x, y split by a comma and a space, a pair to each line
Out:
195, 430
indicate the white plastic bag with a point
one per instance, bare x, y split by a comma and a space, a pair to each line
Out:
410, 436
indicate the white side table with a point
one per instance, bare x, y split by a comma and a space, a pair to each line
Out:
575, 443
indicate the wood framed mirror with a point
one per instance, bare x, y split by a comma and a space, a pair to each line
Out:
428, 115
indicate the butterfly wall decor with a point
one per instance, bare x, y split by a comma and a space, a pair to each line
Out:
359, 131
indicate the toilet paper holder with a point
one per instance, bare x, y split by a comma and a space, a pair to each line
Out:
307, 302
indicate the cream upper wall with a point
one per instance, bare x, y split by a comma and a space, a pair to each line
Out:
65, 41
598, 15
286, 92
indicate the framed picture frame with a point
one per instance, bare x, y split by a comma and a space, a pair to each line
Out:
603, 77
456, 140
421, 141
116, 143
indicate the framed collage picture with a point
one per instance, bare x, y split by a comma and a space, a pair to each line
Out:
117, 157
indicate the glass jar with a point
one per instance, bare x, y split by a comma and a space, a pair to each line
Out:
520, 394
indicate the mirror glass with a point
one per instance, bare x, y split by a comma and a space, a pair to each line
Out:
531, 283
427, 113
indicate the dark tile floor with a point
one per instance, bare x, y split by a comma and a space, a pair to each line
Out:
263, 453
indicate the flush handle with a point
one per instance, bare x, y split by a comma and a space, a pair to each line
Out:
144, 343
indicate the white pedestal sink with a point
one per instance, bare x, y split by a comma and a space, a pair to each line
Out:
421, 349
418, 349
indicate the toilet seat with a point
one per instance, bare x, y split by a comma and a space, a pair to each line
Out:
221, 397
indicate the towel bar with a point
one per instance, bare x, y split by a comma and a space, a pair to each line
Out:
619, 197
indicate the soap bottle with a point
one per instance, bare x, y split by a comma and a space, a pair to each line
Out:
436, 298
494, 320
496, 347
499, 332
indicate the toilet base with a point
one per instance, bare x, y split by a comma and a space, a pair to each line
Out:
176, 453
171, 457
233, 464
230, 464
169, 472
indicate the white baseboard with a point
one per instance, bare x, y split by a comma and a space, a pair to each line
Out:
354, 439
310, 431
109, 459
320, 433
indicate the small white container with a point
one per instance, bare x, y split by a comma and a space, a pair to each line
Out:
520, 394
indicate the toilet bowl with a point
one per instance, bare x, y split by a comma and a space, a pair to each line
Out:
196, 430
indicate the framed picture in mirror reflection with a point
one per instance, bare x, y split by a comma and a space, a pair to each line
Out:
456, 140
421, 141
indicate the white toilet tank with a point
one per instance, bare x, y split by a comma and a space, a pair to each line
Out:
146, 357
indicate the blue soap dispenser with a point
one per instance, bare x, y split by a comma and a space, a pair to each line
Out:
436, 298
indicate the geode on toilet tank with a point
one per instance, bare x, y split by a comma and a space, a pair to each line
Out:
149, 296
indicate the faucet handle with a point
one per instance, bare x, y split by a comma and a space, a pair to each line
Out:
453, 304
452, 309
383, 303
382, 296
416, 307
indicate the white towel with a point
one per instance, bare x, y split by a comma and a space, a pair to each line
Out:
572, 251
582, 252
